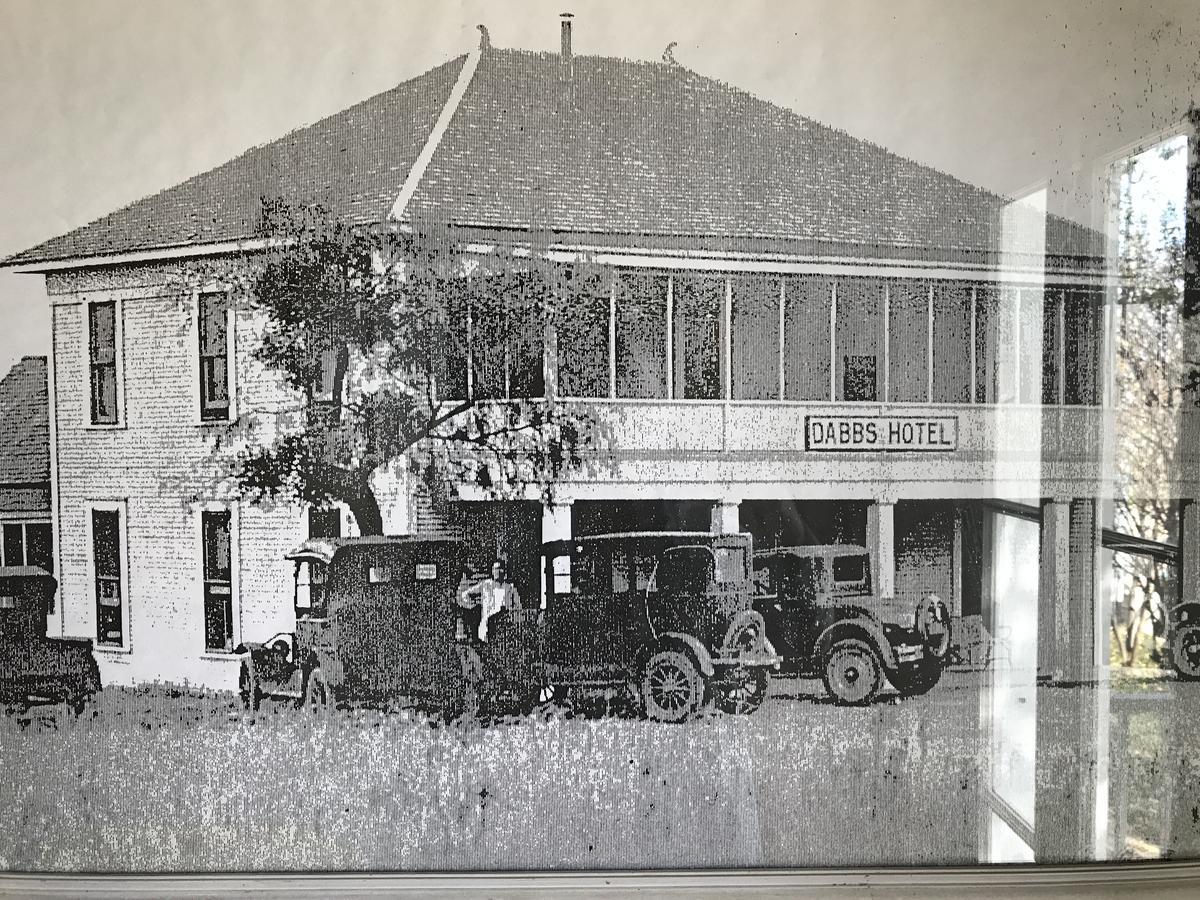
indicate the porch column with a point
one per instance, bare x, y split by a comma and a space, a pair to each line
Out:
1189, 554
1070, 821
725, 517
556, 526
1054, 585
881, 542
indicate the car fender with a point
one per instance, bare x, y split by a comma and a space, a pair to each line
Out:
849, 626
327, 661
687, 642
1185, 614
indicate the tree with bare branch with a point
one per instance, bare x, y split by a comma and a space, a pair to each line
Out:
402, 358
1150, 387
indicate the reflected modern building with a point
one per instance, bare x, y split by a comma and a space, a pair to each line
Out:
790, 331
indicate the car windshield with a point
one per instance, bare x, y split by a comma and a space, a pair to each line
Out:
851, 574
731, 564
310, 588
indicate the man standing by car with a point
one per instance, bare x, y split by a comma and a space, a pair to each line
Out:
491, 595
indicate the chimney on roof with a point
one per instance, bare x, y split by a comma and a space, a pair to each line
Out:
566, 35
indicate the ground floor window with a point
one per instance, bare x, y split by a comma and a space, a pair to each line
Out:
324, 523
108, 574
218, 583
27, 544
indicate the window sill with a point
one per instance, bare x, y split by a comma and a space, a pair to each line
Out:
209, 423
108, 648
220, 655
105, 426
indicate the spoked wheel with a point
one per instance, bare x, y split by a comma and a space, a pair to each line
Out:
743, 692
318, 697
1185, 648
672, 688
852, 672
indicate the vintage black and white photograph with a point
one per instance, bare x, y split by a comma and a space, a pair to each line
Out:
509, 437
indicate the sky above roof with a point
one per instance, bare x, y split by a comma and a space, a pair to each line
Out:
111, 101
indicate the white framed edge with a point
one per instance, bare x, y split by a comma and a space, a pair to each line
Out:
55, 516
197, 511
1163, 880
193, 339
120, 505
86, 302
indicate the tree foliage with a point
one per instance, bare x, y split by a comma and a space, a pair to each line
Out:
1151, 386
402, 357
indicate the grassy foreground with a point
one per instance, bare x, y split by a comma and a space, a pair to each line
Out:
161, 782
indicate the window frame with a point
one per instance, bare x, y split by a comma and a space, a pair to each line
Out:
120, 507
235, 605
24, 525
200, 417
118, 361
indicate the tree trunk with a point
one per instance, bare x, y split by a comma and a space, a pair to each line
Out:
366, 512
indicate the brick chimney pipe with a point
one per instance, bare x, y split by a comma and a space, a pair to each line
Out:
566, 36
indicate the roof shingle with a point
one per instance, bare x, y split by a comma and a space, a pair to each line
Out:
597, 146
24, 414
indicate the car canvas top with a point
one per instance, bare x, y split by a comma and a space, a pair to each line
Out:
323, 549
699, 536
813, 550
22, 572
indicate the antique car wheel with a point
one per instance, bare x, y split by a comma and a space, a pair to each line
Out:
1185, 649
914, 680
318, 697
248, 689
743, 692
852, 672
672, 689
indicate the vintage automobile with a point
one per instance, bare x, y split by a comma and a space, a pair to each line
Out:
377, 622
378, 619
666, 613
35, 668
824, 616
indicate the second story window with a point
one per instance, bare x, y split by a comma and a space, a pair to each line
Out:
214, 357
102, 361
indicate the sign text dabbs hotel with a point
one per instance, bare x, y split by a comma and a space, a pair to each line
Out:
881, 433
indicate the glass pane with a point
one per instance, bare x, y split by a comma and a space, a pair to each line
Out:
806, 338
214, 380
641, 335
489, 333
755, 338
583, 336
908, 341
14, 545
106, 543
102, 332
951, 343
39, 546
1084, 334
1052, 350
324, 523
859, 338
104, 394
526, 341
448, 345
699, 304
216, 546
730, 564
1032, 303
213, 325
